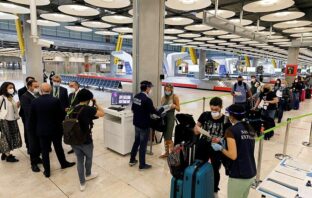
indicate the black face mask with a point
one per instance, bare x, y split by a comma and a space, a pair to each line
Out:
240, 82
266, 90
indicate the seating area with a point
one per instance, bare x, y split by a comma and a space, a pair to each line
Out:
98, 83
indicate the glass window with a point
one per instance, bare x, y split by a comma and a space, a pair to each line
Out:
76, 35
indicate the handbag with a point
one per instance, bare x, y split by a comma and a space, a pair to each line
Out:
3, 112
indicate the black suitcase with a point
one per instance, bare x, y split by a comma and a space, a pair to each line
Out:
184, 130
308, 93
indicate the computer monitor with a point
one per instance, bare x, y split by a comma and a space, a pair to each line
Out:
121, 98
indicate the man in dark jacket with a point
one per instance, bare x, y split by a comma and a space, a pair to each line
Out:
60, 92
46, 119
20, 92
142, 108
34, 146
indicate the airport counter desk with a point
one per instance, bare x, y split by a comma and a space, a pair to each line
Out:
118, 130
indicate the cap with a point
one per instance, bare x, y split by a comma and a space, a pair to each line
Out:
147, 83
84, 95
236, 109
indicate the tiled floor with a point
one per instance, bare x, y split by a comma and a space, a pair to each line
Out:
116, 178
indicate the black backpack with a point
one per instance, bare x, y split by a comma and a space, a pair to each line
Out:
73, 135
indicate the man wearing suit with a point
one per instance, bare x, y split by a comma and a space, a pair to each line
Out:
73, 101
47, 114
20, 92
34, 147
60, 92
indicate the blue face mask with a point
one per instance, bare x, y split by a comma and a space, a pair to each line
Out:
168, 93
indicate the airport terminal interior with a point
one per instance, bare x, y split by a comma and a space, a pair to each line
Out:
196, 49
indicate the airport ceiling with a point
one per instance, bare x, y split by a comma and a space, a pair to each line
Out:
289, 20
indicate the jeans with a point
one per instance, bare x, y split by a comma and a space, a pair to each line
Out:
141, 139
296, 100
84, 154
281, 106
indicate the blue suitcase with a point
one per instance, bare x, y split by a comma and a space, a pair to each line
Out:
176, 188
198, 181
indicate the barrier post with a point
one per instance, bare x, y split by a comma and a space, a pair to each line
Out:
260, 152
204, 103
283, 155
309, 143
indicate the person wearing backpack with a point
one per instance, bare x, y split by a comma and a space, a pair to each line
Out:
85, 115
241, 92
215, 123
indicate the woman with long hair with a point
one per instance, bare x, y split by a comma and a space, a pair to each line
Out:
10, 137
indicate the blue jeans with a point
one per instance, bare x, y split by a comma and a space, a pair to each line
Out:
141, 139
84, 154
296, 100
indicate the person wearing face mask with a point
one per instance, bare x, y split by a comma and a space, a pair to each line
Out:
142, 109
20, 92
169, 99
84, 152
283, 94
46, 117
52, 74
297, 87
215, 123
60, 92
270, 101
253, 87
10, 137
241, 92
34, 145
238, 147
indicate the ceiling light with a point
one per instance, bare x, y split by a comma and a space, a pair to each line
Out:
268, 2
188, 2
108, 1
78, 8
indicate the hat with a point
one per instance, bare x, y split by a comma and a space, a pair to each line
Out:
84, 95
146, 83
236, 109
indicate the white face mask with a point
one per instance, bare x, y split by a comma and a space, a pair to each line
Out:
11, 91
150, 93
72, 90
56, 84
215, 114
36, 91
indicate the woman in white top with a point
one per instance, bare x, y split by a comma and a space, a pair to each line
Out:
10, 137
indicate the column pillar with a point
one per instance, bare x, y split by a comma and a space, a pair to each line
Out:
293, 56
112, 66
148, 44
32, 61
67, 68
202, 64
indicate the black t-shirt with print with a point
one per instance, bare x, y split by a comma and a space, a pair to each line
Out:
268, 97
216, 128
86, 117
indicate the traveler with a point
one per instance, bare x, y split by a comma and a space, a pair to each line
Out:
270, 101
60, 92
45, 76
34, 145
239, 149
46, 119
20, 92
283, 94
241, 92
169, 99
296, 91
277, 85
10, 138
253, 87
73, 101
84, 152
215, 123
142, 108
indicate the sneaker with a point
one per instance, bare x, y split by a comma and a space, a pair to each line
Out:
133, 162
146, 166
92, 176
82, 187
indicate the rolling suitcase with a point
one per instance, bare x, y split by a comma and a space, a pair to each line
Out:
198, 181
308, 94
176, 188
303, 95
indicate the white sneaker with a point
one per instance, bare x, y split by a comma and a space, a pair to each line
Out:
216, 195
82, 187
92, 176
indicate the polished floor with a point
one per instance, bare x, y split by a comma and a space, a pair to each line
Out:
116, 178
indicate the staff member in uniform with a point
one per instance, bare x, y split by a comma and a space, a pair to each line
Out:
142, 108
240, 143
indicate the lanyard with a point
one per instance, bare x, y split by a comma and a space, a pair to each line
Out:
73, 98
56, 93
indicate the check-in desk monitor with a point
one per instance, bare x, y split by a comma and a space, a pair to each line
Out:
118, 123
